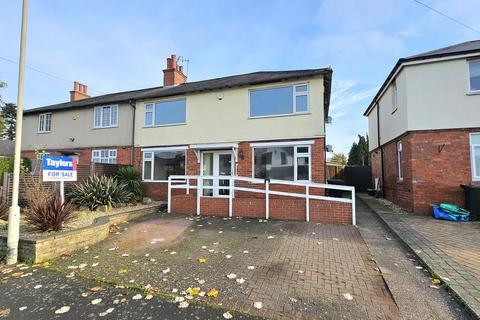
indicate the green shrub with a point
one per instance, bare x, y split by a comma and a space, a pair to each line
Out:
49, 214
6, 165
99, 191
132, 177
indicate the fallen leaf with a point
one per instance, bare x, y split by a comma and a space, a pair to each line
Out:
202, 260
111, 249
38, 286
231, 276
193, 291
137, 297
108, 311
125, 255
183, 304
166, 270
228, 256
245, 251
174, 290
240, 280
95, 289
149, 296
201, 281
179, 299
204, 247
347, 296
95, 264
258, 305
22, 308
122, 270
419, 267
173, 252
17, 274
270, 237
63, 309
96, 301
227, 315
213, 293
251, 267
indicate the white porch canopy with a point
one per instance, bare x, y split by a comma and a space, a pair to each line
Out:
214, 146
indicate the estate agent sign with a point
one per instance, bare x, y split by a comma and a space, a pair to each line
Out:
56, 168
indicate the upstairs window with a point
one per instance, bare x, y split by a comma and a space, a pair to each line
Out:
44, 122
475, 155
394, 96
104, 156
105, 117
165, 113
279, 101
474, 75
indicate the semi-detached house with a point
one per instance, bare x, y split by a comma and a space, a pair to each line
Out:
424, 127
256, 125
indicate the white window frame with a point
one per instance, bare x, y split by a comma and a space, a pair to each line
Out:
475, 173
113, 121
109, 153
43, 120
295, 94
296, 155
152, 152
153, 105
469, 83
400, 160
394, 96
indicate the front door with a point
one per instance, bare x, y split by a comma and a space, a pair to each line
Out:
217, 163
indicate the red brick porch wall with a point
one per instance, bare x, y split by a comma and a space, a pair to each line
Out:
435, 163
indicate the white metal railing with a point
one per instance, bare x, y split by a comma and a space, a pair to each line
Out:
183, 182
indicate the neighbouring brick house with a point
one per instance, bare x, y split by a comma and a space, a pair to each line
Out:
256, 125
424, 127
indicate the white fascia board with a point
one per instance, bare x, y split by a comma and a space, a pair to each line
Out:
282, 143
159, 149
207, 146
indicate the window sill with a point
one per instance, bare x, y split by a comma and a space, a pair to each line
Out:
111, 127
43, 132
281, 115
165, 125
473, 93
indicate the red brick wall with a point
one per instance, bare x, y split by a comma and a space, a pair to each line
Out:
123, 154
435, 164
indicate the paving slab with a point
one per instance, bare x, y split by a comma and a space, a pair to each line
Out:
297, 270
448, 250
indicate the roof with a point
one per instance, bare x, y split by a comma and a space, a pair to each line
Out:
7, 148
197, 86
453, 50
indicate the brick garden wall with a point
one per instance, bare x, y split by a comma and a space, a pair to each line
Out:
435, 164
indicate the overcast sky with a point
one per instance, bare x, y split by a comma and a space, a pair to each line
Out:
115, 45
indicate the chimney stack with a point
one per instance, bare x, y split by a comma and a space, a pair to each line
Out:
173, 74
79, 92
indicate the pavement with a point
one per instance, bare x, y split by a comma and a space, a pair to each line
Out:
271, 269
43, 292
447, 250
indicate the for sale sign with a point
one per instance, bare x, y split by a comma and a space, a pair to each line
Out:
56, 168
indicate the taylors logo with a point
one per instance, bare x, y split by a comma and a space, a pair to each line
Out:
59, 163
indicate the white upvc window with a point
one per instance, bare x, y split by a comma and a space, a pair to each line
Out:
474, 76
475, 155
104, 156
44, 122
282, 162
166, 113
279, 101
105, 117
394, 96
400, 160
159, 164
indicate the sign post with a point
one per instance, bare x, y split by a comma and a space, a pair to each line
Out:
56, 168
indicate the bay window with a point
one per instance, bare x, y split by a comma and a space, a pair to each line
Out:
159, 165
291, 163
165, 113
279, 100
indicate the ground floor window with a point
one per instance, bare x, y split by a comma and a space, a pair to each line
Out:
475, 155
400, 160
104, 156
282, 162
159, 165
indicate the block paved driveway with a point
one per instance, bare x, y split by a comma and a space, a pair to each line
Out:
450, 249
300, 270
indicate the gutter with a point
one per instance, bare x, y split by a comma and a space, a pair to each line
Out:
132, 103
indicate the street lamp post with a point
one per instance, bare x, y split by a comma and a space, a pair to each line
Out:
14, 212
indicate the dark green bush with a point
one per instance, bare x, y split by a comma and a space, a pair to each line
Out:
132, 177
6, 165
99, 191
49, 214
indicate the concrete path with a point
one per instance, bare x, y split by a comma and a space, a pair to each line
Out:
42, 292
409, 283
